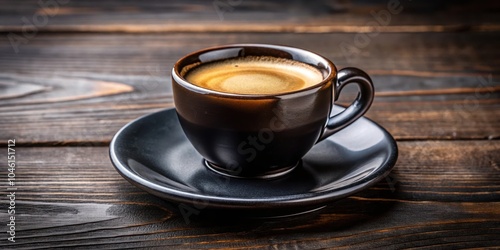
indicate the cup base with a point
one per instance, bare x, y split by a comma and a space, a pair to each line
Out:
266, 175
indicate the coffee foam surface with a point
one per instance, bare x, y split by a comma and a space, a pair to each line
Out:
253, 75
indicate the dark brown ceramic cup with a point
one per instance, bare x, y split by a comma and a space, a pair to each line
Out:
260, 136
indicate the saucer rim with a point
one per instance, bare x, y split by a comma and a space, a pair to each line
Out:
283, 201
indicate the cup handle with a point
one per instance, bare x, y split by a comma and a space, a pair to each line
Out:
358, 107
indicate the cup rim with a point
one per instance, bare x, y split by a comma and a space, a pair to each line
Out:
328, 65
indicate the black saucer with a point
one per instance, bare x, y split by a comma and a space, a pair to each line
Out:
153, 153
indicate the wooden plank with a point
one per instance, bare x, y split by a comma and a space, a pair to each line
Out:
441, 194
249, 16
410, 55
85, 87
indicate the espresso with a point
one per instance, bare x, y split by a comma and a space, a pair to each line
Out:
253, 75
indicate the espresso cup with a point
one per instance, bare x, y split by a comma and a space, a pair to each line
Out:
254, 110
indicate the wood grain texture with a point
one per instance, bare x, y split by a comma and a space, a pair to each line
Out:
441, 194
73, 72
85, 87
249, 16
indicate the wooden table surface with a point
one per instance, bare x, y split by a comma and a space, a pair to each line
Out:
73, 72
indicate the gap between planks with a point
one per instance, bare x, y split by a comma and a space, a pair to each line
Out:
253, 28
107, 142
